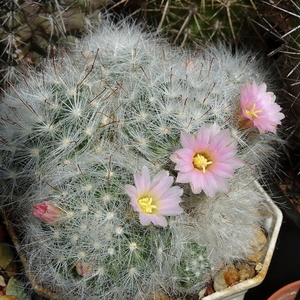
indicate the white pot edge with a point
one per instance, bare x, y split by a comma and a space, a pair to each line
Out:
237, 292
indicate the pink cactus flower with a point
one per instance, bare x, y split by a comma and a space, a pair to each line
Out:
258, 108
154, 199
48, 211
206, 160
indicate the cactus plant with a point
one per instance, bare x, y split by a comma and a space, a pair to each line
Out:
31, 30
129, 165
279, 21
190, 21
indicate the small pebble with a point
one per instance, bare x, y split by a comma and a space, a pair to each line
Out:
259, 240
226, 277
2, 281
255, 255
245, 271
258, 267
231, 275
6, 255
209, 290
219, 282
202, 293
12, 270
245, 274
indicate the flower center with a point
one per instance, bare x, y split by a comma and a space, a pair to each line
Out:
146, 205
253, 113
200, 162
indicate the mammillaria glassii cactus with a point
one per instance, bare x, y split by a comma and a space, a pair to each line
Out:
129, 165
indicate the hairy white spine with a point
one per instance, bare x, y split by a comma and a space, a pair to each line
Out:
76, 133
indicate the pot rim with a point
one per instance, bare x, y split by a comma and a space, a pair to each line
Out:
238, 291
291, 288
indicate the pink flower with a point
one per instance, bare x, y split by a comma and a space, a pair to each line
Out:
154, 199
258, 108
48, 211
206, 160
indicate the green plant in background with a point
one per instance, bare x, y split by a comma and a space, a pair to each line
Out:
31, 30
129, 165
279, 22
189, 21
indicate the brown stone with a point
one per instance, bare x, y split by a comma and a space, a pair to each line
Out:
231, 275
12, 269
255, 255
201, 293
210, 290
259, 240
2, 281
6, 255
245, 271
227, 277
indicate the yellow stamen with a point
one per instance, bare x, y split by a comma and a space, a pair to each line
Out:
253, 113
200, 162
146, 205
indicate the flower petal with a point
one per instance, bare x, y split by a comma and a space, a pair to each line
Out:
171, 210
159, 220
145, 219
185, 154
142, 181
223, 170
173, 193
187, 140
198, 181
211, 186
202, 138
184, 177
131, 190
161, 182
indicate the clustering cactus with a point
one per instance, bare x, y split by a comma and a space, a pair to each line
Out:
90, 149
30, 30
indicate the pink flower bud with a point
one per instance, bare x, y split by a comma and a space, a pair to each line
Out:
190, 65
84, 269
48, 211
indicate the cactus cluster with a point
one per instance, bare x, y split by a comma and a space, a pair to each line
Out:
31, 30
88, 148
